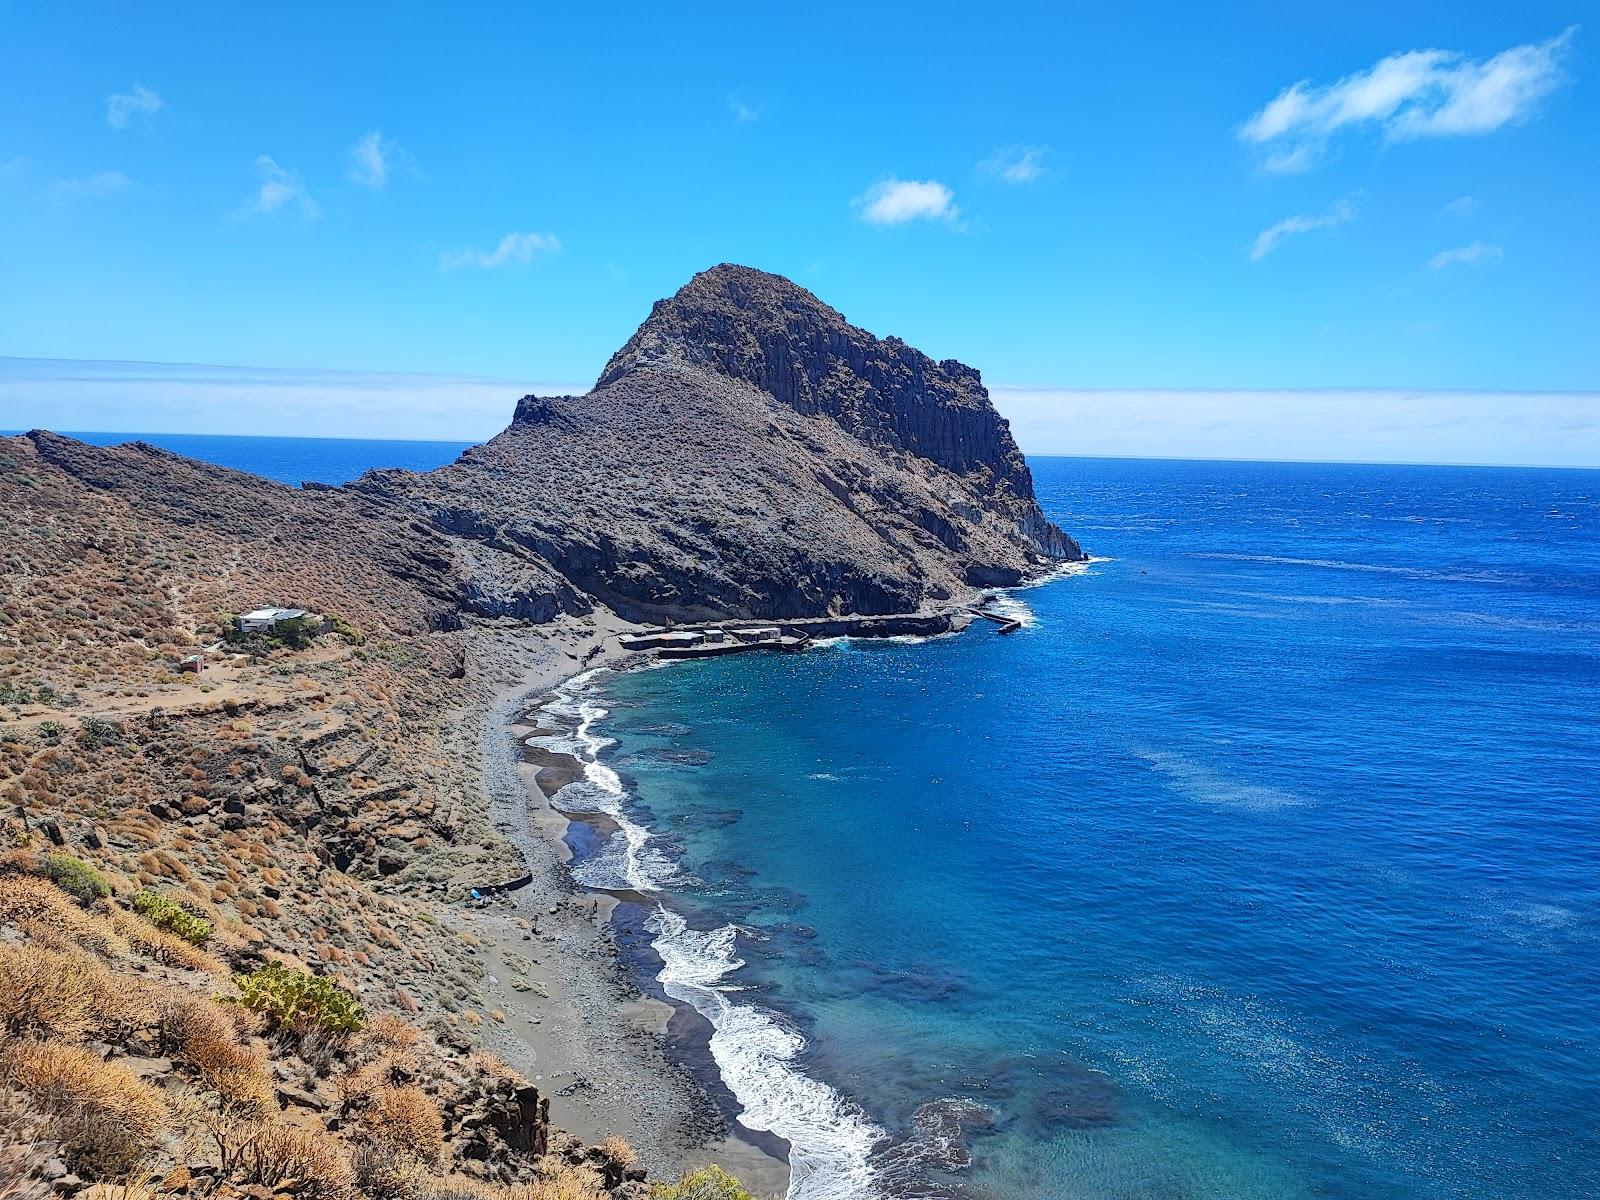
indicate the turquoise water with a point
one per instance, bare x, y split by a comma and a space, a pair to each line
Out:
1264, 863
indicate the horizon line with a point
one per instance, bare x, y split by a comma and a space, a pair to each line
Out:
1293, 389
135, 435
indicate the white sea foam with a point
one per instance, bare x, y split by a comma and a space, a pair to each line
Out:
1208, 786
1011, 607
830, 1139
1335, 564
628, 860
1005, 602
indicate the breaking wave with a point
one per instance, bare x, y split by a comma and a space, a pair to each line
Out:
830, 1139
629, 860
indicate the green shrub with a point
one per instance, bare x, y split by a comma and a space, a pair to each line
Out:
75, 877
299, 1001
296, 633
166, 914
708, 1183
348, 631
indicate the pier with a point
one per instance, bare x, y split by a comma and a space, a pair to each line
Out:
1006, 624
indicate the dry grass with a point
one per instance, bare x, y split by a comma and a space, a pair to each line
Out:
312, 1162
619, 1152
494, 1067
43, 906
559, 1180
390, 1033
236, 1073
22, 1154
162, 946
51, 993
406, 1120
105, 1119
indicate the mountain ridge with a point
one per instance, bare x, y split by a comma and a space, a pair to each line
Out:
749, 453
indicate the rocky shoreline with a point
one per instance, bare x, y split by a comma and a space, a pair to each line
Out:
572, 968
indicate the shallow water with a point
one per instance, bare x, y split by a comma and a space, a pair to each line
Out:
1262, 864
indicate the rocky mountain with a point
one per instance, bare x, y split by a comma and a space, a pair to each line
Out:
747, 453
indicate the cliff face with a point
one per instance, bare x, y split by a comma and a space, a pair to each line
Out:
749, 452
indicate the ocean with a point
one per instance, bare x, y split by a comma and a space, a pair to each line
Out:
1263, 862
291, 460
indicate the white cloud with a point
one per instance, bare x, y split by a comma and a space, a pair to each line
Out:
1016, 164
1461, 206
742, 112
895, 201
66, 394
140, 101
1267, 240
280, 188
513, 248
1471, 253
1420, 93
372, 158
101, 183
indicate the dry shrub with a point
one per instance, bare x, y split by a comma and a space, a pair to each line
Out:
23, 1154
495, 1068
183, 1019
104, 1118
618, 1152
390, 1033
558, 1180
406, 1120
382, 1174
204, 1034
391, 1068
163, 946
50, 993
236, 1073
312, 1162
45, 906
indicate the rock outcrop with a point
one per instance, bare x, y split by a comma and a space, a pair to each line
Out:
747, 453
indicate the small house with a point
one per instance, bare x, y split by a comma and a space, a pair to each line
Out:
262, 620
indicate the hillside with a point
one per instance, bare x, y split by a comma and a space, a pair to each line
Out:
750, 453
321, 805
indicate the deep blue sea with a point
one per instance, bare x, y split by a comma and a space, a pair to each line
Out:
292, 460
1264, 863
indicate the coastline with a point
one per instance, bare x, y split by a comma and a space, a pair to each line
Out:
573, 967
575, 1022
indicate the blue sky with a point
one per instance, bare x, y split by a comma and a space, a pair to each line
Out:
1128, 202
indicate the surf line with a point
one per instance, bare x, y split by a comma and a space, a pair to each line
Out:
831, 1139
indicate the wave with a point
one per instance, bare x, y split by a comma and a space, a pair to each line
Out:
830, 1139
629, 860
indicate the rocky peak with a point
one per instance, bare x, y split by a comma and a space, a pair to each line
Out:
772, 334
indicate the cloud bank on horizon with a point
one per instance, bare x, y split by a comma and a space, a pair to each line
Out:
1408, 198
1389, 425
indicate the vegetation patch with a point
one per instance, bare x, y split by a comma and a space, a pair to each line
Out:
299, 1001
75, 877
167, 914
708, 1183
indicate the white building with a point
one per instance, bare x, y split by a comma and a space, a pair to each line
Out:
263, 619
